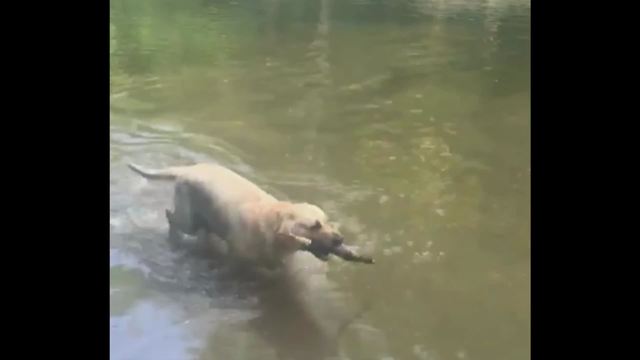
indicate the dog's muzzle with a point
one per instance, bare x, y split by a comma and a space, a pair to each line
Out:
337, 240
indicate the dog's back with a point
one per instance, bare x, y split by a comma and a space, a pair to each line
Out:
229, 187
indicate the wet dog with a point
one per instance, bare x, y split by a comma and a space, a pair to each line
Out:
238, 219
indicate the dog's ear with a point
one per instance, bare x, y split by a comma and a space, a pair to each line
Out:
280, 222
284, 237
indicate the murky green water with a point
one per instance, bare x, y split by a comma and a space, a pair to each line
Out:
406, 120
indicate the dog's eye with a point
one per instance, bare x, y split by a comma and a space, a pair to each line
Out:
316, 226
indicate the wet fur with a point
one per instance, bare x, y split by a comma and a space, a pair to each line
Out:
238, 219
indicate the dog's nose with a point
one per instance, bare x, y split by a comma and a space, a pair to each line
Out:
338, 240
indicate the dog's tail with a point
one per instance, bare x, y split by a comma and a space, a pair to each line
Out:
164, 174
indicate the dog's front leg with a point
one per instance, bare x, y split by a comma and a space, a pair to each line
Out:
268, 274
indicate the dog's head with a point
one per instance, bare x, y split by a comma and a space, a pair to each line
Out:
310, 226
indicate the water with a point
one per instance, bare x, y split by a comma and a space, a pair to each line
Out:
406, 120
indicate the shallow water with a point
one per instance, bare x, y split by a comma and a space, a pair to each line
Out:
408, 121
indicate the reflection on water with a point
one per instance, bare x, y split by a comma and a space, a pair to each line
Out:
406, 120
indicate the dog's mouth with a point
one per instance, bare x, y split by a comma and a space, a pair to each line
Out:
323, 257
322, 252
319, 251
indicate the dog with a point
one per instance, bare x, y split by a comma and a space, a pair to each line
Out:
237, 218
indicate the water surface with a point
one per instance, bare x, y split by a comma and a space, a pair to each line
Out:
409, 121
